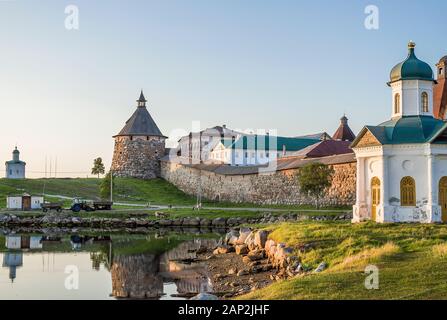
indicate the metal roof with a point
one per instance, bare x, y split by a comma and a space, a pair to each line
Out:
282, 164
407, 129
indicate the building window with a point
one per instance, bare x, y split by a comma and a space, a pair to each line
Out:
397, 103
266, 154
246, 154
424, 100
407, 192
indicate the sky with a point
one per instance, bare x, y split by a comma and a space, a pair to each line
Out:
291, 66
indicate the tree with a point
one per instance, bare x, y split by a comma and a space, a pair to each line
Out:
98, 167
104, 187
314, 179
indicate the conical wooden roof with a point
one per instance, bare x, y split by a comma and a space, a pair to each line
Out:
141, 122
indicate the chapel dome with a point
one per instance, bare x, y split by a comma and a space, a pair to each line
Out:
411, 68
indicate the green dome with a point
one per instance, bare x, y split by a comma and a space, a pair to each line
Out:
411, 68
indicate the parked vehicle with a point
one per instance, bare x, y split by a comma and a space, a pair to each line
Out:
48, 206
89, 206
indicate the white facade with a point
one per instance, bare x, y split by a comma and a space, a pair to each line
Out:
402, 164
15, 169
425, 163
16, 202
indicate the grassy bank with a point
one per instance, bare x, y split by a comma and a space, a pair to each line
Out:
411, 260
126, 190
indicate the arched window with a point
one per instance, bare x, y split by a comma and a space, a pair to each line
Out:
424, 101
397, 103
407, 192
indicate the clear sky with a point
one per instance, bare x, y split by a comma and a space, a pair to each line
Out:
295, 66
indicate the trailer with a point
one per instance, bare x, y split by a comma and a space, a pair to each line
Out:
102, 205
48, 206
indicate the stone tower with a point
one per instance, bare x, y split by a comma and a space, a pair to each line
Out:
139, 146
344, 133
440, 90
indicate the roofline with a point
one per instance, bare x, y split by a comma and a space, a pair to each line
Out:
139, 135
359, 136
438, 133
411, 78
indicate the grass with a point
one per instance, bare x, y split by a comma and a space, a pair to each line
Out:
126, 190
411, 260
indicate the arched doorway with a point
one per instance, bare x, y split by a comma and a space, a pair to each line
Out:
443, 197
375, 197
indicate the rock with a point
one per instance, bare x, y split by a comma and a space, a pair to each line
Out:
250, 241
204, 296
219, 222
165, 222
246, 260
232, 271
243, 234
256, 255
267, 267
261, 238
242, 273
322, 266
191, 222
231, 237
233, 221
177, 222
223, 249
205, 222
241, 249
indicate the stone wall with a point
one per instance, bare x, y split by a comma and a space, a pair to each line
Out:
137, 157
280, 187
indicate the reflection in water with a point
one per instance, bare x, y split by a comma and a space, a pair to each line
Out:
139, 267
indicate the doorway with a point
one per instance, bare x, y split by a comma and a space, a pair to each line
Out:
375, 197
443, 197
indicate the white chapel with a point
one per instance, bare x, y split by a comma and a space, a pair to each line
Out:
402, 162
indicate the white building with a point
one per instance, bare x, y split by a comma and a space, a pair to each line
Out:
402, 163
24, 202
257, 149
197, 145
15, 169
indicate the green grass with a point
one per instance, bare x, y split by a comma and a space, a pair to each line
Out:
129, 190
411, 259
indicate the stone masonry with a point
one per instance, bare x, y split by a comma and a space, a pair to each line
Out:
280, 187
137, 157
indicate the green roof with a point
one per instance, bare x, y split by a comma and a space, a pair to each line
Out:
262, 142
411, 68
15, 162
407, 129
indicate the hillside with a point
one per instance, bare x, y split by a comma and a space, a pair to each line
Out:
126, 190
410, 258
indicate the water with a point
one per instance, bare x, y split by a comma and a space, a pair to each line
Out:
92, 265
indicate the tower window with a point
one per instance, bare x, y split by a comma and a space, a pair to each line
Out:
424, 101
441, 71
397, 103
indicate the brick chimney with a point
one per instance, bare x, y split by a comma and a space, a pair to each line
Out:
440, 90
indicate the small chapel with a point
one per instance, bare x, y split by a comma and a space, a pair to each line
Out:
402, 162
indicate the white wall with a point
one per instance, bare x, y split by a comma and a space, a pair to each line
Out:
410, 97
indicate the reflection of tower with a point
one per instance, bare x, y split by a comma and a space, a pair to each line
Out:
136, 276
13, 260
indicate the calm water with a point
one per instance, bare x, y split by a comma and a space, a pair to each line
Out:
102, 266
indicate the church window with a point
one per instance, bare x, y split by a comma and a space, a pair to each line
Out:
397, 103
407, 192
424, 98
